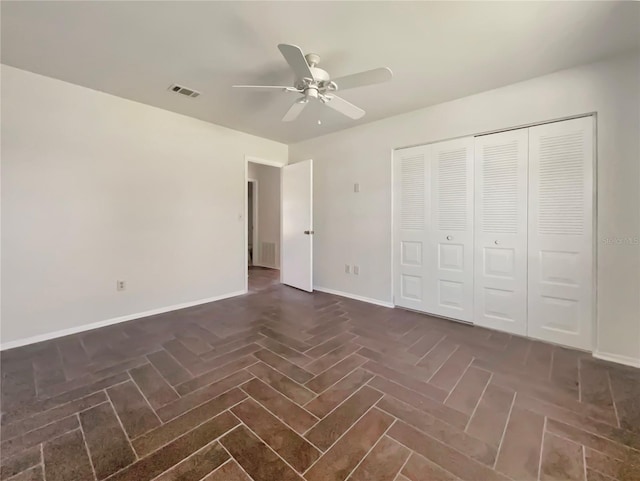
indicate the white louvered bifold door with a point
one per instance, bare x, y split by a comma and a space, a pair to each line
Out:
450, 287
561, 232
411, 208
500, 274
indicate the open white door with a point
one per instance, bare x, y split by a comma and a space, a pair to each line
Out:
297, 225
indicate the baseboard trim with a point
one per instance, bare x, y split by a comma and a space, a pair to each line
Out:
353, 296
115, 320
626, 360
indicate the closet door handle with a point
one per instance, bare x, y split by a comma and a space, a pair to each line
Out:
496, 242
449, 237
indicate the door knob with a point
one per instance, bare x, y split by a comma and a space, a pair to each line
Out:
496, 242
449, 237
308, 232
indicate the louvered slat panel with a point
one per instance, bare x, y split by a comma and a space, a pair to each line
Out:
452, 190
413, 193
500, 188
561, 184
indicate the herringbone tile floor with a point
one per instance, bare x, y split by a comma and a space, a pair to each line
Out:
283, 385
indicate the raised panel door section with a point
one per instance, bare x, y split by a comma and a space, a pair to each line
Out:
450, 281
411, 210
561, 280
500, 283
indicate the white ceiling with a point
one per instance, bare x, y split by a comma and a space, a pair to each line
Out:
437, 50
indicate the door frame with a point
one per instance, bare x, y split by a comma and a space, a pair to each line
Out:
595, 321
254, 184
247, 179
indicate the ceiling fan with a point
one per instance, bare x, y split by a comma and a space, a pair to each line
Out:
314, 83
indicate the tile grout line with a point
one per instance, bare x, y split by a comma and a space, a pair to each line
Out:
458, 381
86, 447
442, 365
444, 336
266, 444
145, 398
613, 400
369, 451
584, 462
212, 370
339, 438
579, 380
188, 431
504, 431
399, 473
478, 404
456, 478
284, 359
44, 474
337, 406
342, 378
124, 431
544, 432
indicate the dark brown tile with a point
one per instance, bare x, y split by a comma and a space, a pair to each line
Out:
66, 458
11, 447
490, 418
178, 426
196, 398
197, 465
562, 460
423, 403
421, 469
168, 367
626, 392
336, 394
408, 381
214, 375
284, 339
223, 359
335, 373
564, 370
282, 439
452, 370
467, 393
230, 471
594, 385
281, 383
286, 352
256, 458
132, 408
329, 429
20, 462
151, 466
108, 445
31, 474
330, 345
382, 463
39, 420
425, 343
444, 456
436, 357
283, 408
538, 362
157, 391
280, 364
344, 456
519, 455
331, 358
443, 432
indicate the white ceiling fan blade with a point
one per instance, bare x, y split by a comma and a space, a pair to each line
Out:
294, 111
266, 87
345, 108
377, 75
295, 58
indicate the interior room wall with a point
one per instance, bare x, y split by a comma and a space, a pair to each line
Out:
268, 178
95, 189
355, 228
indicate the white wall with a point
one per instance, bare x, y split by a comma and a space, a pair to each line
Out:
268, 178
96, 188
356, 228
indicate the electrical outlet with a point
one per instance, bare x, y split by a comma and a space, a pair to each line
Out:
356, 270
120, 285
347, 269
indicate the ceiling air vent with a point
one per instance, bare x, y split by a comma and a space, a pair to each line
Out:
179, 89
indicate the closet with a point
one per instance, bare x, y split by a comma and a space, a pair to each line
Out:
497, 230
